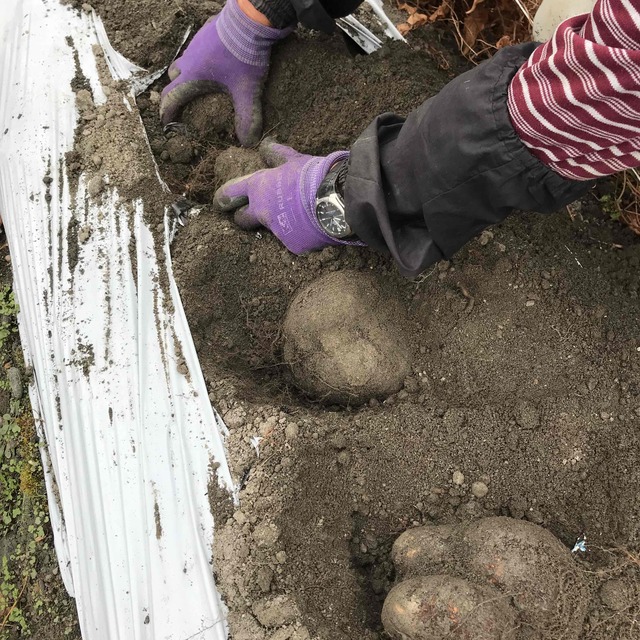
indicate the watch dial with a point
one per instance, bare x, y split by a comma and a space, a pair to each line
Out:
332, 220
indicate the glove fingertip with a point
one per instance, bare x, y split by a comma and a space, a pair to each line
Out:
231, 196
275, 154
246, 220
174, 71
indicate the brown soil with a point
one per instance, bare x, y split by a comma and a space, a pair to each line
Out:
525, 377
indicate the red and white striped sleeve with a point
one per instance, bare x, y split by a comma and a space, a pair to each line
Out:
576, 102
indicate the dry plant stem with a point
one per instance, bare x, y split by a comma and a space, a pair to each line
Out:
15, 604
627, 199
525, 11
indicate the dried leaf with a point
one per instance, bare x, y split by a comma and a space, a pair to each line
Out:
505, 41
441, 12
407, 7
415, 19
474, 23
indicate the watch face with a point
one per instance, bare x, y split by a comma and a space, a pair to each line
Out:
332, 220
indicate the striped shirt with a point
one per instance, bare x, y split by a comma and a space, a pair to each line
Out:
576, 102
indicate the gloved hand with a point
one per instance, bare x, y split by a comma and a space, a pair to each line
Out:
230, 53
282, 199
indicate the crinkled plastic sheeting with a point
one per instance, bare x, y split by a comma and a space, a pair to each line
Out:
128, 441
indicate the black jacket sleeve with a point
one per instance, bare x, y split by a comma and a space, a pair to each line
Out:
423, 186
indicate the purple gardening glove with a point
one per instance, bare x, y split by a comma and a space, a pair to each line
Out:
230, 53
282, 199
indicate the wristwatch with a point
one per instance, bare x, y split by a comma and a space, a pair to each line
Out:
330, 209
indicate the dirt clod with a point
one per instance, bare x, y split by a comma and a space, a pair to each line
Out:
479, 489
237, 162
275, 612
95, 186
180, 150
210, 115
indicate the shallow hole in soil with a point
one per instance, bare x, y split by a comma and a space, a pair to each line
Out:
371, 558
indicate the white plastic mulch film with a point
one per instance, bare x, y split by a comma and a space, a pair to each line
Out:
128, 442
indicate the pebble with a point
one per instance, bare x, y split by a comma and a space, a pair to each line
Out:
458, 478
485, 238
479, 489
154, 97
95, 186
15, 382
183, 369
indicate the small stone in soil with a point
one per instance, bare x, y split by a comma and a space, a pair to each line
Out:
183, 369
458, 478
479, 489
